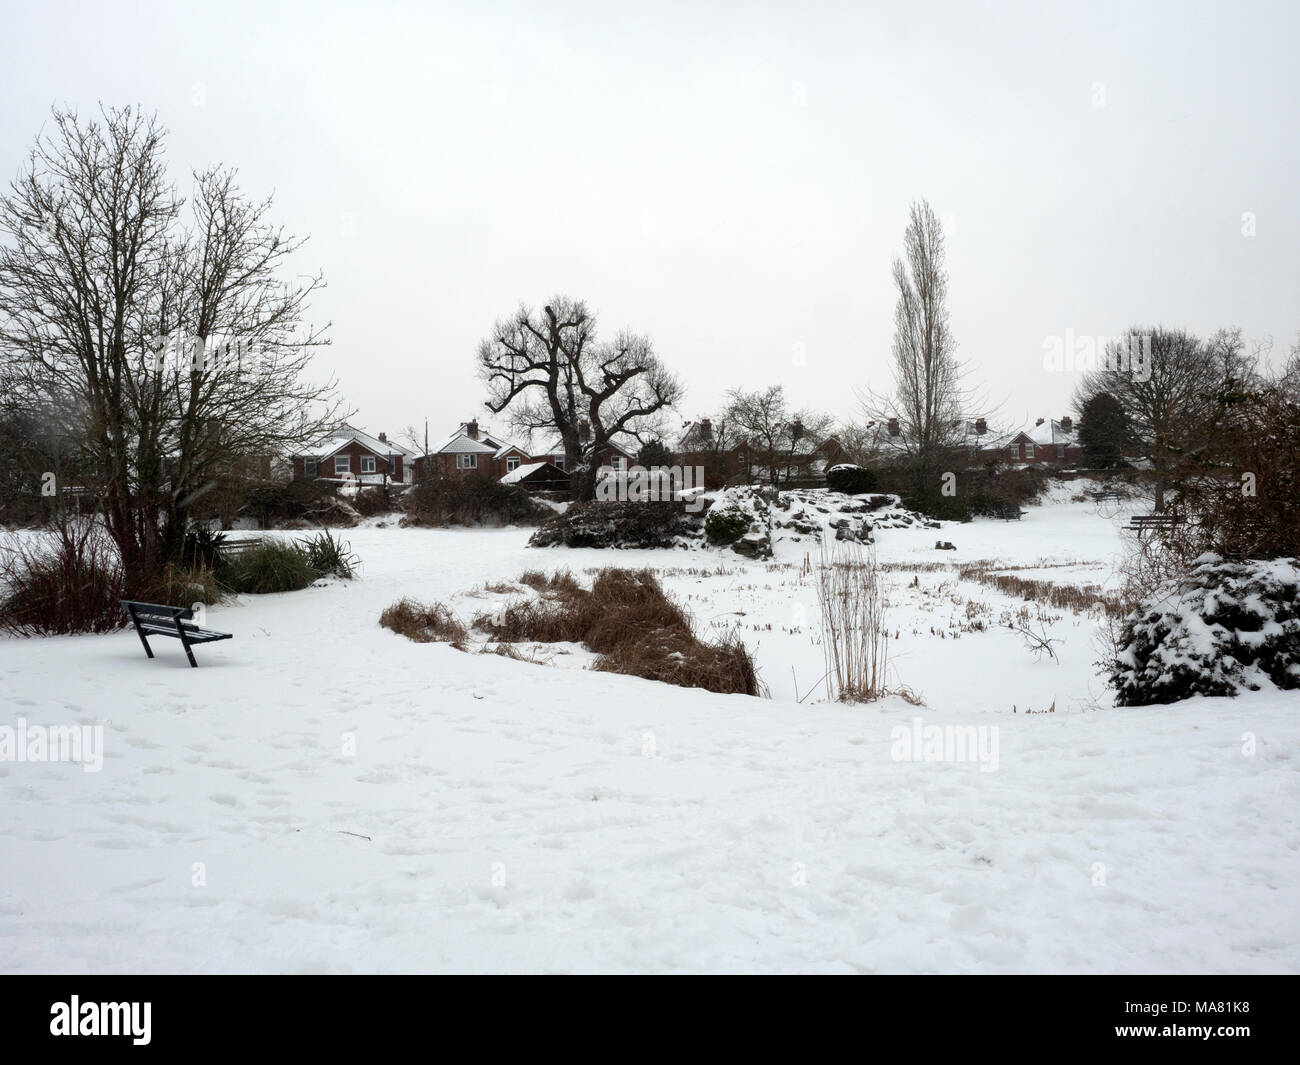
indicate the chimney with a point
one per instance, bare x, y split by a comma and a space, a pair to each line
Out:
706, 428
383, 438
981, 426
893, 426
471, 429
1067, 424
1038, 423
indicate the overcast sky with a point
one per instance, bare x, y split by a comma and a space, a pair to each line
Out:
732, 179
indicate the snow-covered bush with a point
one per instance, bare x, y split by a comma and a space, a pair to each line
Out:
725, 526
741, 519
1223, 627
851, 480
627, 525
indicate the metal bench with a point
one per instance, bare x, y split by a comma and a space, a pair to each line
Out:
153, 619
1140, 522
238, 547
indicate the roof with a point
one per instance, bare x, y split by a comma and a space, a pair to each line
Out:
526, 470
556, 447
693, 436
1048, 434
461, 443
347, 434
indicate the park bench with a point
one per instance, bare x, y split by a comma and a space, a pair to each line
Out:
1140, 522
152, 619
230, 548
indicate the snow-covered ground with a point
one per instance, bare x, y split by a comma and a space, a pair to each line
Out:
322, 795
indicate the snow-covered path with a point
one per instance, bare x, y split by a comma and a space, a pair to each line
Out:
351, 801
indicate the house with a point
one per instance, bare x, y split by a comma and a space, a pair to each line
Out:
615, 456
349, 454
1048, 441
473, 451
698, 445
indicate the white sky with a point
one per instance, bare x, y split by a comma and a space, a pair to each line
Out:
732, 179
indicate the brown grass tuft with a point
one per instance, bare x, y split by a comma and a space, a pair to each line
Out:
425, 624
632, 624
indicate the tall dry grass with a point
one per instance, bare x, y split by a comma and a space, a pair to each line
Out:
855, 641
631, 623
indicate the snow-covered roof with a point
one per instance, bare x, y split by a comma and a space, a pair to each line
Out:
520, 472
461, 443
347, 434
693, 436
1050, 432
556, 447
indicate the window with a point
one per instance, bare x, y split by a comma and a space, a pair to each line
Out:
342, 464
367, 463
617, 463
309, 469
1029, 451
467, 462
1014, 452
1060, 451
559, 461
512, 464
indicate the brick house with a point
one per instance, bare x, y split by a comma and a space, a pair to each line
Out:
473, 452
698, 445
351, 454
615, 456
1049, 440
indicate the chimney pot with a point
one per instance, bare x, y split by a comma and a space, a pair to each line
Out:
383, 437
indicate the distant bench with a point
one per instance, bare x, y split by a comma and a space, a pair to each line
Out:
1153, 521
153, 619
238, 547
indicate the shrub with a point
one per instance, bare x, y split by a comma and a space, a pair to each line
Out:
298, 502
851, 480
632, 624
202, 547
624, 525
471, 501
725, 526
185, 586
983, 505
329, 556
425, 624
371, 501
65, 581
1223, 627
272, 566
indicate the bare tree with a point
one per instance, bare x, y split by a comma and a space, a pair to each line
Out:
172, 352
777, 437
1167, 382
929, 394
552, 373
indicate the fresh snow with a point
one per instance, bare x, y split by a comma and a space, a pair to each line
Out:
321, 795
